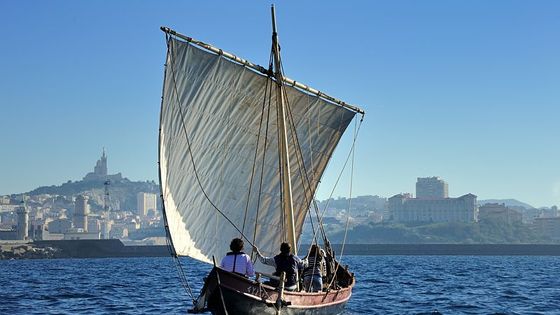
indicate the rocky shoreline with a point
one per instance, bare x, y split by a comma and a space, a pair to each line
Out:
77, 249
28, 251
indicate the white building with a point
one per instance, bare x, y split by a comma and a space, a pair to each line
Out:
145, 202
464, 209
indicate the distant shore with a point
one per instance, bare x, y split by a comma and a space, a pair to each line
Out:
25, 250
451, 249
115, 248
77, 249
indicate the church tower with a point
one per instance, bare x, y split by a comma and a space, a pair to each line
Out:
100, 168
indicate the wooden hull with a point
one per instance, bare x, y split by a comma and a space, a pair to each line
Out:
228, 293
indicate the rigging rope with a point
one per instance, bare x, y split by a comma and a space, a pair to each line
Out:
340, 256
269, 91
342, 170
179, 266
301, 163
255, 158
182, 276
280, 169
306, 178
304, 175
309, 143
299, 158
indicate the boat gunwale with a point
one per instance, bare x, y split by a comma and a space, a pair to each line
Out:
286, 293
294, 306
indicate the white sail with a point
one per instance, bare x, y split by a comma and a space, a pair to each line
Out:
216, 105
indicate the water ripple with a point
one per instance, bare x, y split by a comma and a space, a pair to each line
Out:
385, 285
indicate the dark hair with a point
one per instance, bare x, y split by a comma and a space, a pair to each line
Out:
236, 245
285, 248
314, 250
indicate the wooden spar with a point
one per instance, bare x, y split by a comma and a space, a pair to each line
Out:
263, 70
283, 149
322, 95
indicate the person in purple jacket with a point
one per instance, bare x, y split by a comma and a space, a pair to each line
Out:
237, 261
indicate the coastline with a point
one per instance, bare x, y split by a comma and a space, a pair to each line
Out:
114, 248
78, 249
450, 249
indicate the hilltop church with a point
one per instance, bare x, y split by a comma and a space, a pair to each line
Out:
100, 171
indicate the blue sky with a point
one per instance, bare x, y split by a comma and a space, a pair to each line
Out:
465, 90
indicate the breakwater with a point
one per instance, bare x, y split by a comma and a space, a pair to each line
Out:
28, 251
115, 248
77, 249
103, 249
451, 249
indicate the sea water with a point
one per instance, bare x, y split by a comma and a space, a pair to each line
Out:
385, 285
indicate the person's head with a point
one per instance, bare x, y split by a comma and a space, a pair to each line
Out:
285, 248
314, 250
236, 245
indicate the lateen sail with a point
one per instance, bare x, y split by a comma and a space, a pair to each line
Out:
218, 104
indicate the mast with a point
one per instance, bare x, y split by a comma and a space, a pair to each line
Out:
285, 177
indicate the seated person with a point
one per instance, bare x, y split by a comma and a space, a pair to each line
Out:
284, 262
237, 261
314, 268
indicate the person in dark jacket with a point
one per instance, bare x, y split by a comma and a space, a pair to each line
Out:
284, 262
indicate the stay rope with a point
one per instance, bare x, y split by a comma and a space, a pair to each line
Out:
178, 266
255, 159
305, 179
301, 164
353, 152
269, 91
342, 170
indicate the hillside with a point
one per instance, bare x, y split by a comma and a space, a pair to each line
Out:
122, 193
442, 233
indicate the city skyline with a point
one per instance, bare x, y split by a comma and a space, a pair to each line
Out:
441, 192
464, 91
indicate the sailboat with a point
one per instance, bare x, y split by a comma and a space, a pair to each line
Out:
242, 149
